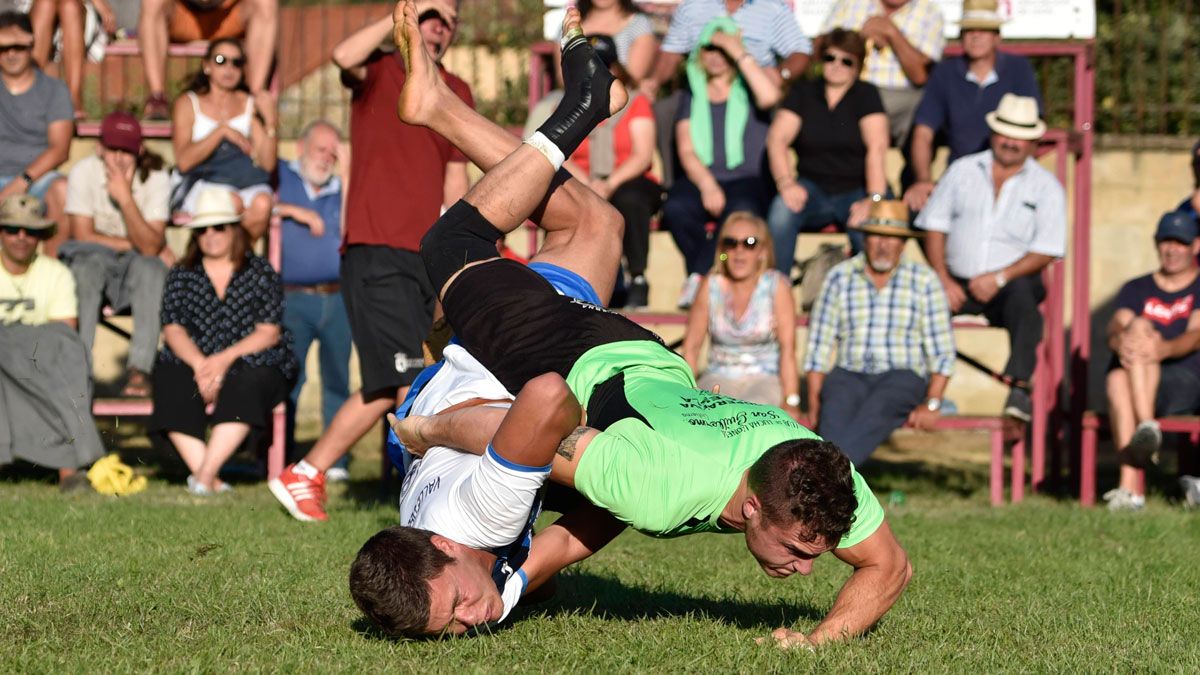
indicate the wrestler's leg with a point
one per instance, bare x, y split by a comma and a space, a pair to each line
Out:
583, 230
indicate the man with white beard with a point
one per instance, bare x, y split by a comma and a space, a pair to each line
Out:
310, 203
888, 320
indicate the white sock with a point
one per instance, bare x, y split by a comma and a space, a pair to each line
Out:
549, 150
307, 470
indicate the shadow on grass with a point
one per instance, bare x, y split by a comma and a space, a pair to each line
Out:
923, 478
586, 594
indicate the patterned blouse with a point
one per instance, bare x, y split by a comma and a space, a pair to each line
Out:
254, 296
746, 345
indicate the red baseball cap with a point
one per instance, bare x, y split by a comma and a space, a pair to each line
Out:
121, 131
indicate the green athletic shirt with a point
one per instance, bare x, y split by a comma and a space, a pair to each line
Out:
672, 474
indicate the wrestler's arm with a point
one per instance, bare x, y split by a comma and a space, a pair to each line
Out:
473, 427
881, 572
573, 537
543, 413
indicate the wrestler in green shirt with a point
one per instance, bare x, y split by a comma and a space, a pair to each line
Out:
670, 468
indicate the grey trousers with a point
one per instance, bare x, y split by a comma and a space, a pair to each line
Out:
859, 411
125, 279
901, 107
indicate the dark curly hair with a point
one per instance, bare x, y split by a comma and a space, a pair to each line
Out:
806, 481
390, 579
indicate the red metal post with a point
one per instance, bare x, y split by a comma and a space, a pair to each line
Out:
1087, 469
996, 473
1081, 329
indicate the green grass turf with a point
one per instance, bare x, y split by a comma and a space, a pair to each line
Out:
163, 581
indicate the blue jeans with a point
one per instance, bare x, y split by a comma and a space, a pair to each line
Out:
320, 317
684, 215
820, 210
40, 186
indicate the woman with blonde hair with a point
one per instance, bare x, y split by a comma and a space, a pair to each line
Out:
746, 309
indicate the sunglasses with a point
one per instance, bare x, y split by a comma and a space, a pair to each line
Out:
236, 62
728, 243
219, 227
4, 49
845, 60
14, 230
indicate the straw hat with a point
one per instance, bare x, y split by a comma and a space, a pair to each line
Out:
1017, 117
980, 15
214, 206
24, 211
889, 217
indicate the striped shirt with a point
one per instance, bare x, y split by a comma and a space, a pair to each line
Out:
769, 29
919, 20
903, 326
986, 233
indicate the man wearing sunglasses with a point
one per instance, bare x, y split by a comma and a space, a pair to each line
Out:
36, 123
904, 40
44, 371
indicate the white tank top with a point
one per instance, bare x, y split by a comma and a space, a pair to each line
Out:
205, 125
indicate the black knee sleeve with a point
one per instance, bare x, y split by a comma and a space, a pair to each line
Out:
460, 237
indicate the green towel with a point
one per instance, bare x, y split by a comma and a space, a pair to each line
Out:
737, 108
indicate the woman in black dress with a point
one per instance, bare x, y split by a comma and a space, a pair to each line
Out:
224, 362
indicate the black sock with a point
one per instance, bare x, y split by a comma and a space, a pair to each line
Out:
584, 104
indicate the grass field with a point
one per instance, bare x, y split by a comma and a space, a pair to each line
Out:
162, 581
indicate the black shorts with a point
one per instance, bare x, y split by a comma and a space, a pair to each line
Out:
519, 327
390, 305
248, 395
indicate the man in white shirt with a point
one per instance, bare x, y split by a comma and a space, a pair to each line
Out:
994, 222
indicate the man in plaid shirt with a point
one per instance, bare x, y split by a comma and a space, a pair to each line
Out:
889, 323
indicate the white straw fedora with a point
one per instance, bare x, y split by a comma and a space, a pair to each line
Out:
980, 15
214, 206
1017, 117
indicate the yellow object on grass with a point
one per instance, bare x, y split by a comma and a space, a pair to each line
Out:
109, 476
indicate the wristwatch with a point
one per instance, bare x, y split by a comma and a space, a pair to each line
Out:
876, 197
27, 178
933, 404
792, 400
1001, 280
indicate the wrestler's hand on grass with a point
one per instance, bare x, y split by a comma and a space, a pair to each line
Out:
787, 639
408, 430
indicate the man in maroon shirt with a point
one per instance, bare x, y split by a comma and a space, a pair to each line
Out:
400, 177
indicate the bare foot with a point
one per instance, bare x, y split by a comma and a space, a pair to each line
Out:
423, 86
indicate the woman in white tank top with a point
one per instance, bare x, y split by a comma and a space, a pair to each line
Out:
215, 119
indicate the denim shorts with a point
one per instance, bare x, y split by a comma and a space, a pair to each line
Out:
40, 186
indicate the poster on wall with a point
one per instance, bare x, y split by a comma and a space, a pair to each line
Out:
1027, 19
1046, 19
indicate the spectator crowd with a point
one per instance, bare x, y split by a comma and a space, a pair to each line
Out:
764, 134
